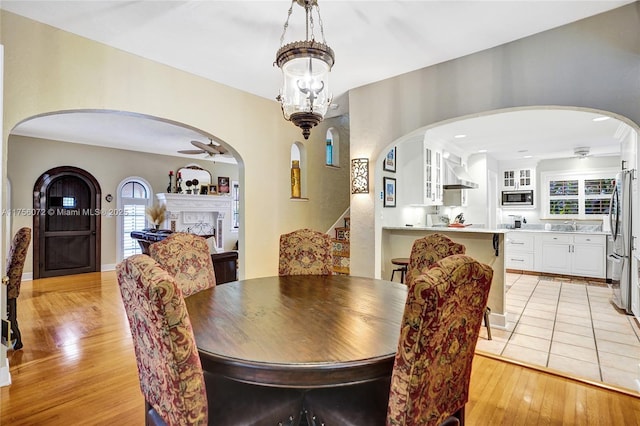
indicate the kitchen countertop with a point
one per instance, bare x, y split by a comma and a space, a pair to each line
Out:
467, 229
553, 231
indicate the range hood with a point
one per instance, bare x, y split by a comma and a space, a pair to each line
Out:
456, 177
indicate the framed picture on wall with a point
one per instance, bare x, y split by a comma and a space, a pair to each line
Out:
389, 185
389, 164
223, 185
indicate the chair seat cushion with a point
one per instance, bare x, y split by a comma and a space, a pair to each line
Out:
354, 405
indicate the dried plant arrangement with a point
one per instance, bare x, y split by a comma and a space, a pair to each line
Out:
156, 214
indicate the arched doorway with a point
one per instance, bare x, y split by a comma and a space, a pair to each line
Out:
66, 229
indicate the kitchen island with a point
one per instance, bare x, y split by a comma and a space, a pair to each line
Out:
484, 245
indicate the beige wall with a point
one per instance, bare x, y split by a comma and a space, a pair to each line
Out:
47, 70
594, 64
29, 158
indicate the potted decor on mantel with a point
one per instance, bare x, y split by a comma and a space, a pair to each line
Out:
156, 214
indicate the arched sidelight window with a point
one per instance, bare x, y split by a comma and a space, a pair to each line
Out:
332, 148
134, 195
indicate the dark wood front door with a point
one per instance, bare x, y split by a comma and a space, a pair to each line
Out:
67, 232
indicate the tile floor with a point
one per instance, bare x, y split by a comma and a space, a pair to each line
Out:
570, 326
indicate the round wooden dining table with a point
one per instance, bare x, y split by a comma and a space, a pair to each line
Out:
300, 331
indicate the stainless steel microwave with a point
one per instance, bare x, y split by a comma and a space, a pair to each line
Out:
521, 198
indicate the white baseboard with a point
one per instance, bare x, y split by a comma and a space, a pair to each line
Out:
5, 376
27, 276
498, 321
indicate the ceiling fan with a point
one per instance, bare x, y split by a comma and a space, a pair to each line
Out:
210, 149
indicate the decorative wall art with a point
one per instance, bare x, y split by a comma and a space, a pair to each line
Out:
213, 190
389, 163
223, 185
389, 185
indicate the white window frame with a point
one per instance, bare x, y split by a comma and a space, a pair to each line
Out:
235, 205
120, 207
580, 176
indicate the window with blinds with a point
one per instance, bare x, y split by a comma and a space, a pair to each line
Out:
574, 196
134, 198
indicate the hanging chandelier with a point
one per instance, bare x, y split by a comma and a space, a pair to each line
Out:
304, 96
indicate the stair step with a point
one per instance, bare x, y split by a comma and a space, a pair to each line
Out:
342, 234
341, 248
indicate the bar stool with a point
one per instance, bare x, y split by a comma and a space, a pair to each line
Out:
403, 262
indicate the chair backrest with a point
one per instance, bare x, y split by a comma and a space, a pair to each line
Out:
305, 252
187, 258
15, 261
171, 377
426, 251
440, 326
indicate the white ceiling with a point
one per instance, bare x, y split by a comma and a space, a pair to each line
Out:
234, 43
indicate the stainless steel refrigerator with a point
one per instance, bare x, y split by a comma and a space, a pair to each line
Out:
620, 258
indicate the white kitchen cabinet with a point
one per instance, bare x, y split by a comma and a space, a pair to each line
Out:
520, 251
514, 179
574, 254
421, 174
433, 175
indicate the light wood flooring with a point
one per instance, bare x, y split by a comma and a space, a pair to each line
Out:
77, 367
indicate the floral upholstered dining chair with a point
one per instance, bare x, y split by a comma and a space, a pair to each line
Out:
176, 389
429, 250
169, 368
187, 258
305, 252
15, 265
432, 367
426, 251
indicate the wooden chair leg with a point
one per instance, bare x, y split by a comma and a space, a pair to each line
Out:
487, 324
12, 316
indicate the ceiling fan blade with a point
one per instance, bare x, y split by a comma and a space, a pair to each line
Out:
207, 148
192, 151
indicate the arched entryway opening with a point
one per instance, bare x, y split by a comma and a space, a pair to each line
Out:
66, 226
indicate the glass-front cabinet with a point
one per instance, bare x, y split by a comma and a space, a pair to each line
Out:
421, 174
519, 178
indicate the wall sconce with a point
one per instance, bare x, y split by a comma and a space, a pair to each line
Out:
360, 176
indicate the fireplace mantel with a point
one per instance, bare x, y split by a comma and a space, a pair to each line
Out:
198, 214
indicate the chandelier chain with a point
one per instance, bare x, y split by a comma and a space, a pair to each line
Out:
286, 24
320, 22
310, 21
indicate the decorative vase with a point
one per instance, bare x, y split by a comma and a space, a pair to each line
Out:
295, 179
179, 184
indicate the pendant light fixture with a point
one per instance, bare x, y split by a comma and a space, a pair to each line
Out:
305, 96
